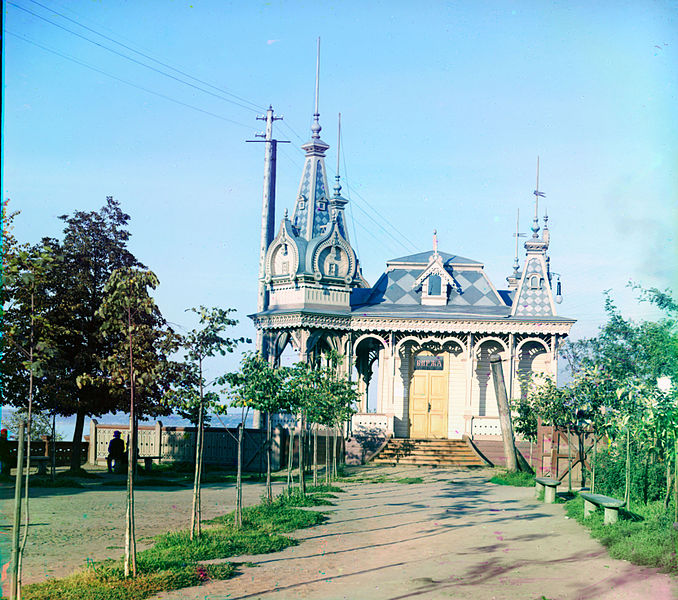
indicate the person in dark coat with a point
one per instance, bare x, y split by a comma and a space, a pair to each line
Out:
116, 452
5, 466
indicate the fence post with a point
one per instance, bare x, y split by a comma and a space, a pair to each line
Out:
158, 440
92, 450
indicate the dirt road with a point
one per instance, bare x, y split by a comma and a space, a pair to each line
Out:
454, 536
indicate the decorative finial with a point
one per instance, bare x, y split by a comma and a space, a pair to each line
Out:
546, 219
537, 195
285, 216
337, 186
435, 241
316, 128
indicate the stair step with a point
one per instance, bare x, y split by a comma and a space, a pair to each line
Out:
436, 452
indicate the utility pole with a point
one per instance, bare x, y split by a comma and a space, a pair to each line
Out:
267, 225
268, 205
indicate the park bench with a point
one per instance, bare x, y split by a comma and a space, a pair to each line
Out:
549, 486
41, 462
611, 506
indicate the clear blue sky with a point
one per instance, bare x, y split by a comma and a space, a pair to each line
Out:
445, 107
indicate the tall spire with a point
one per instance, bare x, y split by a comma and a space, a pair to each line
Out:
316, 128
337, 185
537, 195
311, 215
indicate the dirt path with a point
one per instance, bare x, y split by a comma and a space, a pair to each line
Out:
454, 536
70, 525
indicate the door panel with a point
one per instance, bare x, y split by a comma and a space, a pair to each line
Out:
428, 402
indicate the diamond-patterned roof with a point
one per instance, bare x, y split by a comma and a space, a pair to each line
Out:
394, 290
534, 302
422, 258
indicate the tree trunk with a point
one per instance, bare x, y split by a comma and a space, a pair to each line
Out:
269, 487
669, 482
238, 482
29, 434
504, 414
335, 437
315, 454
195, 519
569, 461
290, 460
627, 489
77, 440
14, 590
595, 460
302, 465
53, 446
327, 457
130, 540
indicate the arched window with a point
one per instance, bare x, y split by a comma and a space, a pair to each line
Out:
535, 282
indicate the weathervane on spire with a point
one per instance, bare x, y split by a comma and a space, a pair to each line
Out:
537, 195
316, 128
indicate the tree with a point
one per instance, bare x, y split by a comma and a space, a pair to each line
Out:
191, 399
41, 423
94, 245
138, 364
259, 386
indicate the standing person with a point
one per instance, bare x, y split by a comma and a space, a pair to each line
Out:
116, 452
4, 453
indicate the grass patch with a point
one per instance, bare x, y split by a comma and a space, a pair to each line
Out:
644, 537
518, 479
79, 473
409, 480
58, 482
174, 560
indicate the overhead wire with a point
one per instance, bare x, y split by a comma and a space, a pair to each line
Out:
149, 91
255, 106
131, 59
380, 221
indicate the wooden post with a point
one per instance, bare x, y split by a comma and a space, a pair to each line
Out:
504, 414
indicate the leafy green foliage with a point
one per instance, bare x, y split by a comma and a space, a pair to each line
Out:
518, 479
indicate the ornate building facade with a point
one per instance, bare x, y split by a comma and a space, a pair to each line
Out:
429, 324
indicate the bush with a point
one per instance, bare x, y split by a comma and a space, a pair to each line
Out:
648, 480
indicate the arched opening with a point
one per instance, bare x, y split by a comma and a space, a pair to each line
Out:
367, 364
533, 361
483, 386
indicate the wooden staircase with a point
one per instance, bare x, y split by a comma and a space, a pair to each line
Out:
431, 453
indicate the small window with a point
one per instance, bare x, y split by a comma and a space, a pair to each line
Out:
322, 205
434, 285
535, 282
285, 268
332, 269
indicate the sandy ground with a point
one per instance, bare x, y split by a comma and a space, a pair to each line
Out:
454, 536
71, 526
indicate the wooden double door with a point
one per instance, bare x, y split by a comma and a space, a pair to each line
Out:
429, 395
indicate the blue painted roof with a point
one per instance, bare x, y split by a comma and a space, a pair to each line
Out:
422, 258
